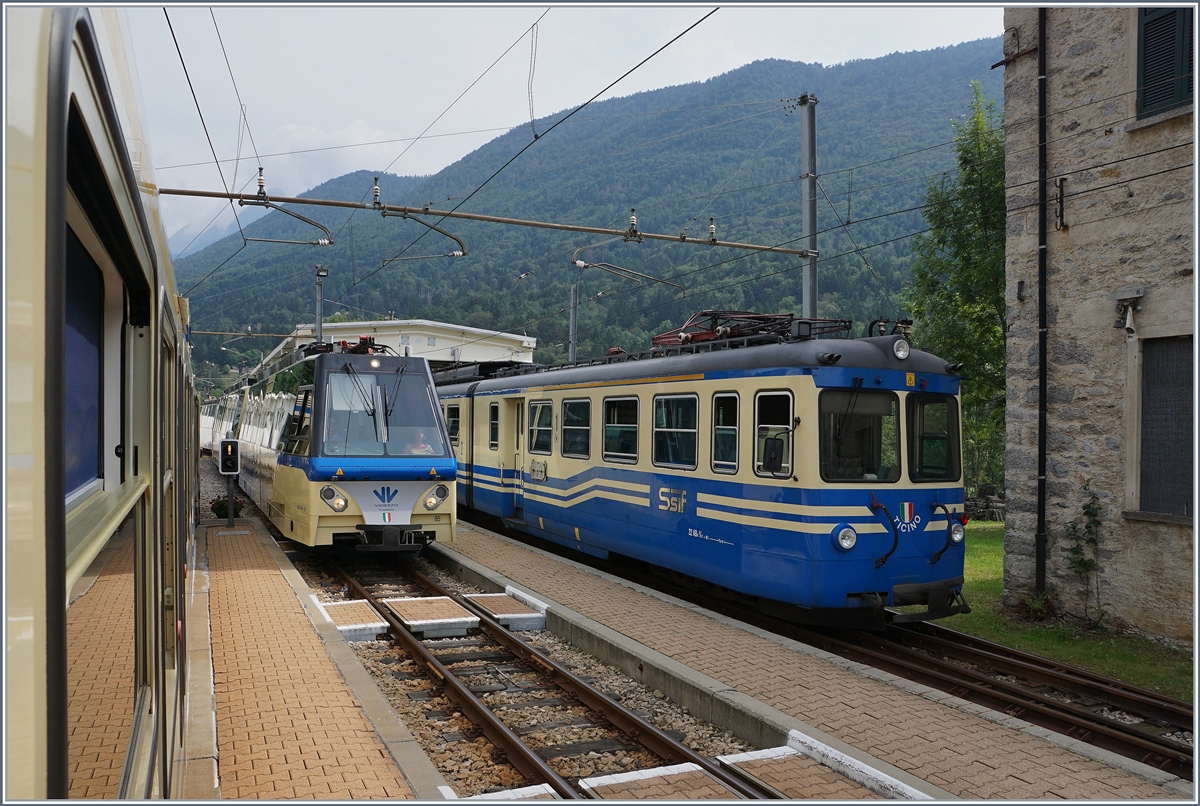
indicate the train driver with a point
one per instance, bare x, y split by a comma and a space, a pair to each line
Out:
418, 444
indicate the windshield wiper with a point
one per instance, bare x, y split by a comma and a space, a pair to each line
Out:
394, 394
370, 406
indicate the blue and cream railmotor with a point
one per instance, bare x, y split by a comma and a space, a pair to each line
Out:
345, 445
822, 477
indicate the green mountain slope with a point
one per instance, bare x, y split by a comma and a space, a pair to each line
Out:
727, 148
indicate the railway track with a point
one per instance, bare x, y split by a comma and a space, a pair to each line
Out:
1107, 713
496, 680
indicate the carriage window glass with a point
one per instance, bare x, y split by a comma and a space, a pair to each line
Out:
725, 433
452, 421
933, 448
494, 426
773, 432
860, 435
81, 367
675, 432
621, 430
352, 415
577, 428
540, 426
298, 431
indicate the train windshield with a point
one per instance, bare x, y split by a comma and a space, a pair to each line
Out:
373, 413
860, 435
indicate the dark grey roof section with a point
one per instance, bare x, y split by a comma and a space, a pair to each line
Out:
866, 354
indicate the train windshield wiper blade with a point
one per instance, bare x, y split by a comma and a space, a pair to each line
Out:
370, 405
394, 395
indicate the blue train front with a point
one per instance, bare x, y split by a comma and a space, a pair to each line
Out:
348, 449
821, 477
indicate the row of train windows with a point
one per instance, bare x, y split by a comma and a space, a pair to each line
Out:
859, 433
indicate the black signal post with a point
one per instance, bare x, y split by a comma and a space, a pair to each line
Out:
230, 465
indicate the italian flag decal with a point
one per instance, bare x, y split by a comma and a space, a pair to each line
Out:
387, 517
906, 511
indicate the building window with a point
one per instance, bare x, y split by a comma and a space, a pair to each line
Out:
577, 428
540, 426
725, 433
1164, 59
1167, 427
773, 431
675, 431
621, 430
81, 366
494, 426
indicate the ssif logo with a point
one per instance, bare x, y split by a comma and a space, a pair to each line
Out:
672, 500
907, 520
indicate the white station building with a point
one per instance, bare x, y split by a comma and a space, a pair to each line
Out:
440, 343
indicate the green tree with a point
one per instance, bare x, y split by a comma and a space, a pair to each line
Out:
956, 293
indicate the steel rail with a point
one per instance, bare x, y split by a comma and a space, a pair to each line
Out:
625, 720
1078, 723
629, 235
520, 755
1077, 681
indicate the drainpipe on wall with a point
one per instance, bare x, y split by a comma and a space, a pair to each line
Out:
1040, 538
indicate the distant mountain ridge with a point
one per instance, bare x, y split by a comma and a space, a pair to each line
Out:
726, 148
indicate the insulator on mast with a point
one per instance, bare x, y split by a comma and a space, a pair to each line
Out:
262, 183
712, 230
376, 204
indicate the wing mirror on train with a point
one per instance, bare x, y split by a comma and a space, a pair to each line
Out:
230, 457
772, 454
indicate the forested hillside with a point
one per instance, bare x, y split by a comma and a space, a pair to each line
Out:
727, 148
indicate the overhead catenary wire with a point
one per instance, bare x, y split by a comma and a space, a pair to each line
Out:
556, 124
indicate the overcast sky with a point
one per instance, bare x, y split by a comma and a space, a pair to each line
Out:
330, 77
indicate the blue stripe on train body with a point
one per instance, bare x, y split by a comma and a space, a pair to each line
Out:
758, 537
383, 468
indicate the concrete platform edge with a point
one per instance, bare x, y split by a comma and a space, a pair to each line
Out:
1129, 765
420, 773
704, 696
201, 780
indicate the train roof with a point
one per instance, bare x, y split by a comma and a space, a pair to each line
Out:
872, 353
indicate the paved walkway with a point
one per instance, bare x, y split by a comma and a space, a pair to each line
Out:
957, 751
287, 723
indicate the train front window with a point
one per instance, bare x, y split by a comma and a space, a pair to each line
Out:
933, 447
380, 413
860, 435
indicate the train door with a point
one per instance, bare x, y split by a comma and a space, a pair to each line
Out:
516, 409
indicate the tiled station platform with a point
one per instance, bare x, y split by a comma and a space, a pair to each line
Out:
286, 721
736, 672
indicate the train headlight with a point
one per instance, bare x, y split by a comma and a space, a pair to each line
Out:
436, 496
900, 349
337, 502
846, 537
957, 532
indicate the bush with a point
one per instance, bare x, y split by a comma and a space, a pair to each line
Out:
220, 507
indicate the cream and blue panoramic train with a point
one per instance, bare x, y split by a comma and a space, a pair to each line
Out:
343, 445
101, 430
822, 477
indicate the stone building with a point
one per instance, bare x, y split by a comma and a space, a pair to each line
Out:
1107, 400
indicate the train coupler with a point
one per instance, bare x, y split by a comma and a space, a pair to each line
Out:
396, 539
942, 598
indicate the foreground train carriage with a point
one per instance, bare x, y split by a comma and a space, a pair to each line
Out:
822, 477
101, 426
339, 448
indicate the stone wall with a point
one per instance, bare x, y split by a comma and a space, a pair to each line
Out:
1128, 213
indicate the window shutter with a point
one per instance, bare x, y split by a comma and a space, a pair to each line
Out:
1164, 59
1167, 414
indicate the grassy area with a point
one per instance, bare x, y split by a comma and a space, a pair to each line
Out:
1135, 660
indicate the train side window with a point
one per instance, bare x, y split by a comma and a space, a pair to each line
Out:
297, 433
933, 448
675, 431
860, 435
621, 430
494, 426
577, 428
773, 432
541, 416
725, 434
452, 420
82, 362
